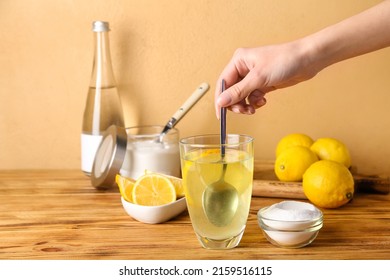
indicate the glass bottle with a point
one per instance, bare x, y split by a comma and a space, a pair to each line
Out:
103, 106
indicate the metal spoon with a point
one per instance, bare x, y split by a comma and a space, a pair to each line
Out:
187, 105
220, 199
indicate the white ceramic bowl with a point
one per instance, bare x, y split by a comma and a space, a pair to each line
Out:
155, 214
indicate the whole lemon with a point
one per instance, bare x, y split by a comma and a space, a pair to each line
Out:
292, 163
291, 140
332, 149
328, 184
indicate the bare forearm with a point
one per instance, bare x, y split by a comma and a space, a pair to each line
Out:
363, 33
252, 73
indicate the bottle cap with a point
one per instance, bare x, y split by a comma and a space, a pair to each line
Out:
109, 157
100, 26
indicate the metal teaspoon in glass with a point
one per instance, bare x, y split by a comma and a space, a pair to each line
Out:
220, 199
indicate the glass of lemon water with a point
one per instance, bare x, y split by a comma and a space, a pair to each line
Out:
218, 187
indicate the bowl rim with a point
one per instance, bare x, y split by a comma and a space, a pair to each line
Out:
153, 207
316, 219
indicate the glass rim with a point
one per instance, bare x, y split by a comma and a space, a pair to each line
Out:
185, 141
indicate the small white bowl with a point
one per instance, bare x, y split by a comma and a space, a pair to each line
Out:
154, 214
291, 233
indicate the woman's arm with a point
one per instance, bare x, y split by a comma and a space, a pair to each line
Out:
253, 72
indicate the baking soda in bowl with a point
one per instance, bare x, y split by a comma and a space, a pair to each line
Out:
150, 155
146, 151
290, 224
290, 215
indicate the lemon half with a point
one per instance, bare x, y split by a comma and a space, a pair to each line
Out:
125, 186
153, 190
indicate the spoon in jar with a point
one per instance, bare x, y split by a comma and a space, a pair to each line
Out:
220, 199
187, 105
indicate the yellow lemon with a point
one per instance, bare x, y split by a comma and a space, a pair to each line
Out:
177, 182
328, 184
332, 149
153, 190
293, 162
125, 187
294, 139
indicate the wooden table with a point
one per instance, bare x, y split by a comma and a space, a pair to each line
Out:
59, 215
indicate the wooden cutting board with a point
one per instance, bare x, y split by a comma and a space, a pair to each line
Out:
266, 184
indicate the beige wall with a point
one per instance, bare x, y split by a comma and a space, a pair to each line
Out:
161, 50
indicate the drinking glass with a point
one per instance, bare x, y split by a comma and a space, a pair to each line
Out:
218, 187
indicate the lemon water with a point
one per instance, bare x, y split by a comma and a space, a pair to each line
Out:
203, 167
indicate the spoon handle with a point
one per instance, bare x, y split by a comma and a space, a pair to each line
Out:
187, 105
223, 124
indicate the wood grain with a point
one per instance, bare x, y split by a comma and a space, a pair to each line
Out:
57, 214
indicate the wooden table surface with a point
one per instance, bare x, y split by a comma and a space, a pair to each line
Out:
58, 215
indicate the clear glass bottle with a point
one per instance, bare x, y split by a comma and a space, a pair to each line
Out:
103, 106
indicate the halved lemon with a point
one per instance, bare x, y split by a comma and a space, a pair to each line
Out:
176, 181
126, 186
153, 190
178, 184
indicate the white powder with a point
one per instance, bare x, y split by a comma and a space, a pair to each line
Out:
289, 223
152, 156
292, 211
